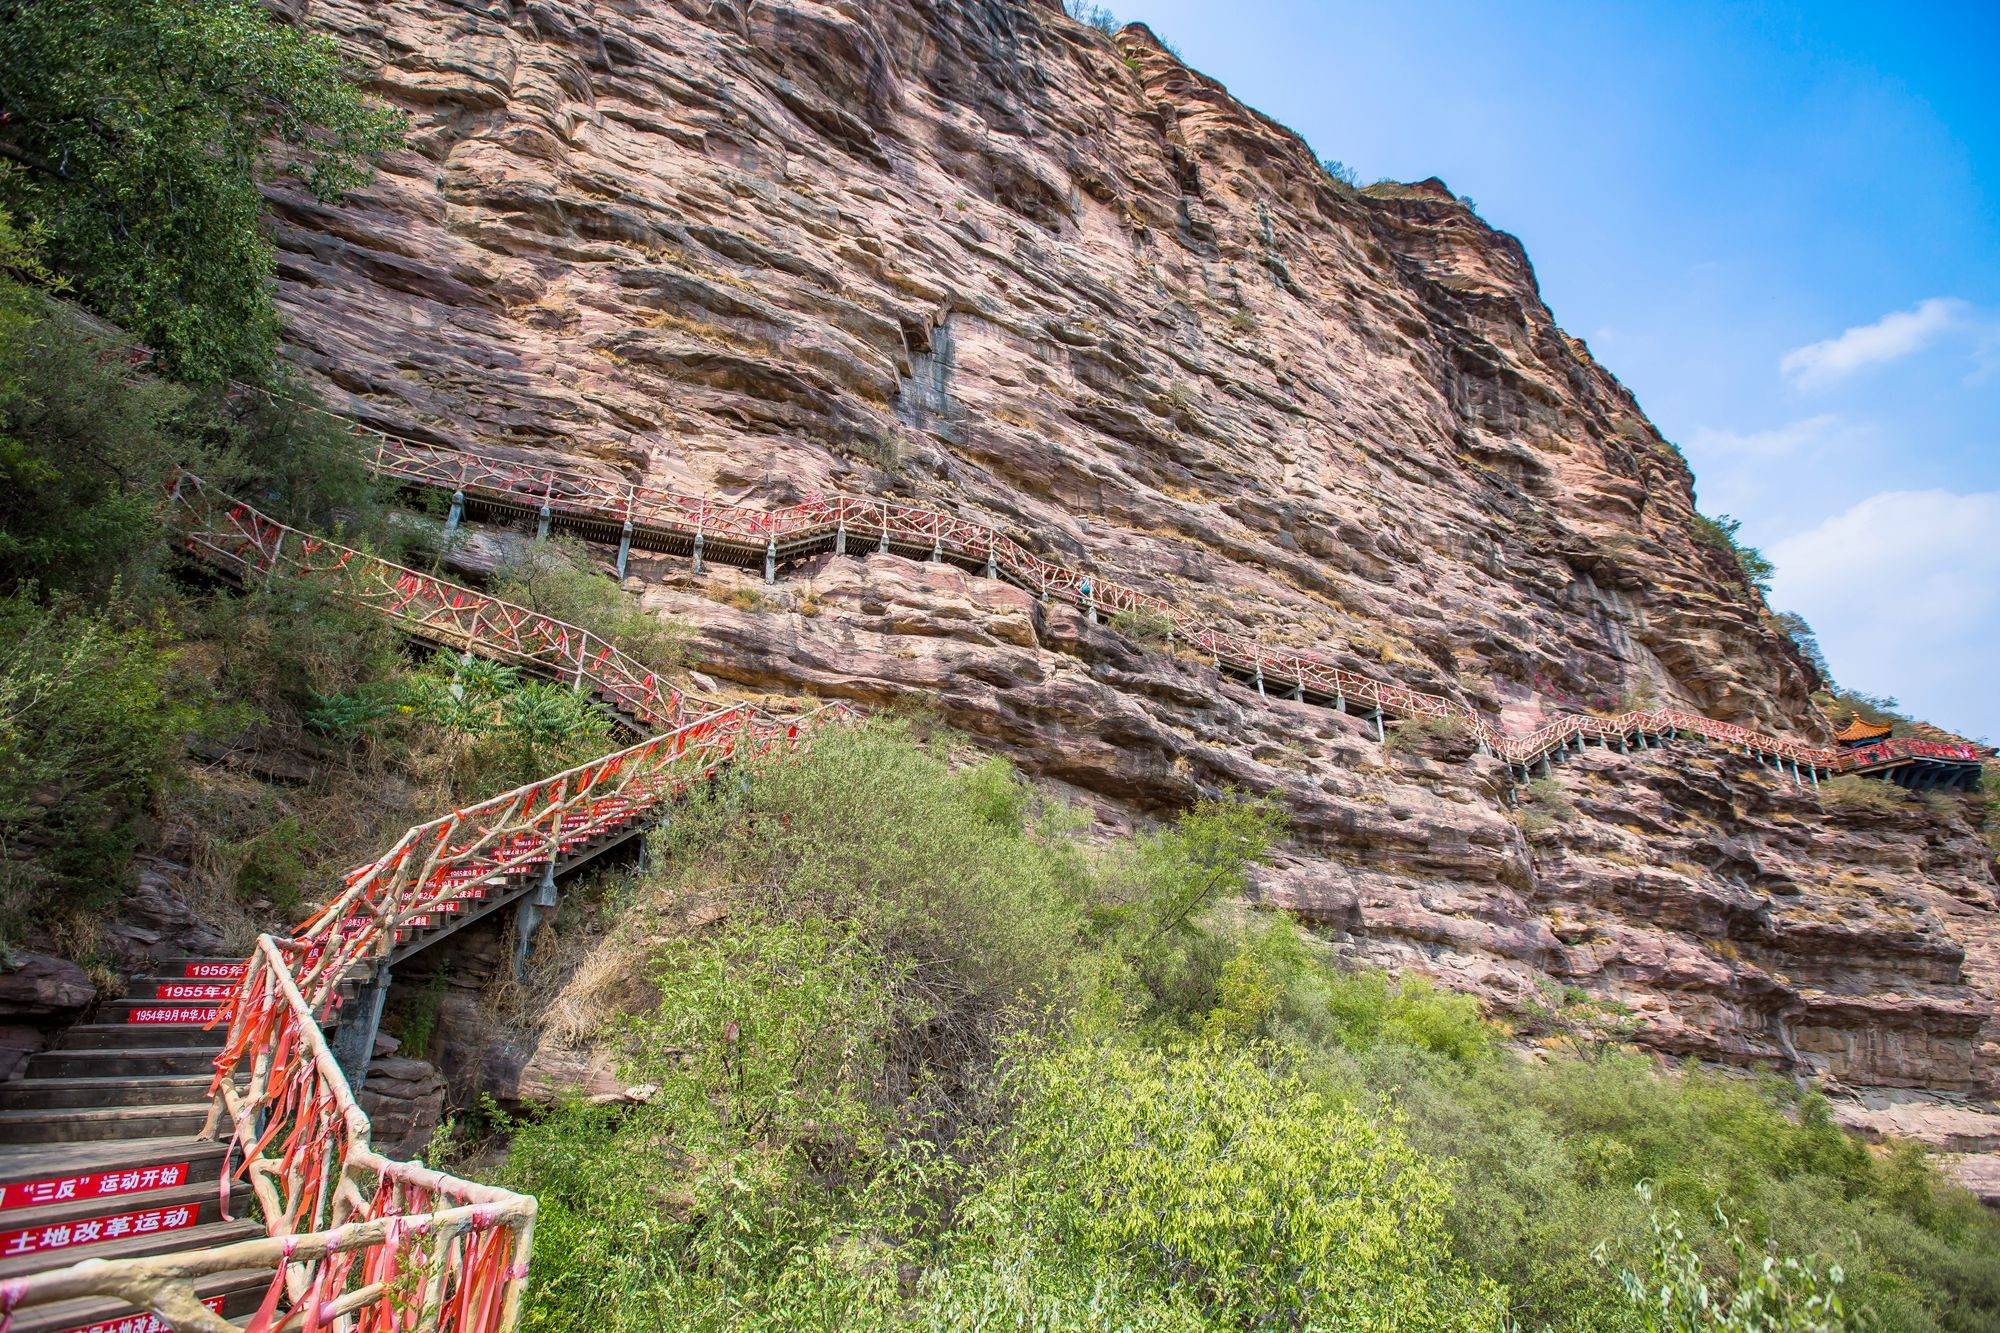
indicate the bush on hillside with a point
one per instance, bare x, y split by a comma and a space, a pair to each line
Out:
1216, 1185
1144, 625
94, 712
559, 578
1092, 15
85, 455
1184, 1117
1850, 791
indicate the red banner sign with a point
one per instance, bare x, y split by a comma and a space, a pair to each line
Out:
216, 971
69, 1235
195, 990
173, 1013
96, 1185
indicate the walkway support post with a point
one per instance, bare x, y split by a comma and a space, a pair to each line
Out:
1381, 736
624, 549
697, 549
840, 537
542, 522
354, 1040
992, 556
455, 516
529, 914
882, 547
771, 560
1260, 680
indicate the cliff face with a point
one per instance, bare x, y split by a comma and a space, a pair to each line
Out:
969, 251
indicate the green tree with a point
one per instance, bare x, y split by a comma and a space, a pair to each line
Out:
134, 137
1721, 533
84, 454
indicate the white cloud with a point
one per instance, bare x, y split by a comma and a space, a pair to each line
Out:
1904, 591
1778, 442
1890, 338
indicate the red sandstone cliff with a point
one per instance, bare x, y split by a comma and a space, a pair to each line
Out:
971, 251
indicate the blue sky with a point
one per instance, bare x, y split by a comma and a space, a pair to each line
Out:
1778, 223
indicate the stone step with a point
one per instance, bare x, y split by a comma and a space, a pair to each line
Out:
161, 1240
231, 1295
32, 1175
95, 1124
118, 1060
79, 1229
106, 1091
182, 1036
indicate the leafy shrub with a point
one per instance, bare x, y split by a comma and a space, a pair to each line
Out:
1341, 172
93, 715
1850, 791
711, 1204
1750, 562
559, 578
1092, 15
1769, 1294
502, 729
1422, 733
946, 870
1542, 806
1219, 1181
1143, 624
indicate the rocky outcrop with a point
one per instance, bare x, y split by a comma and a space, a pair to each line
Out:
38, 992
978, 254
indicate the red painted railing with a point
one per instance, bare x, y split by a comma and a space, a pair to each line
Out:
359, 1243
583, 494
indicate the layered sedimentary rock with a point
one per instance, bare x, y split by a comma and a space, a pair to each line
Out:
973, 252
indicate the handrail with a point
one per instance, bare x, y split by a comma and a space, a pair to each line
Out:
574, 490
360, 1243
225, 531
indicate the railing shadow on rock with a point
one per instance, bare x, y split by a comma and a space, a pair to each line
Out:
359, 1243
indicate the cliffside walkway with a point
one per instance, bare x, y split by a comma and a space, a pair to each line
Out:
646, 518
125, 1154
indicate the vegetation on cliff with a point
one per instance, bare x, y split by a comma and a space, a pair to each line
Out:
920, 1055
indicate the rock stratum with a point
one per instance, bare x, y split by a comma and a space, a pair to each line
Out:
973, 253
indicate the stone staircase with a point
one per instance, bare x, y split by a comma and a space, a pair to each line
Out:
101, 1154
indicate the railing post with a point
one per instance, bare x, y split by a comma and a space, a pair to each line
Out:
277, 553
354, 1039
624, 548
